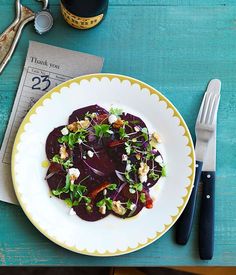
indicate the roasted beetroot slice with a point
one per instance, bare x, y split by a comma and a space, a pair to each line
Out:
151, 182
52, 144
93, 216
80, 113
57, 180
124, 196
133, 121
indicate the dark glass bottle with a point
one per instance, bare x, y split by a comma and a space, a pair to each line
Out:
84, 14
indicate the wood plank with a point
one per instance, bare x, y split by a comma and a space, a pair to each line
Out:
175, 49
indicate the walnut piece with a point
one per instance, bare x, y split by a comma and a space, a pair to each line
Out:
143, 169
118, 208
63, 152
118, 124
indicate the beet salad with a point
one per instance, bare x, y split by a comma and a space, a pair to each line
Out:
103, 162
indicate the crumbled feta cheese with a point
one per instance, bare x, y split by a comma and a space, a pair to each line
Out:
72, 212
65, 131
158, 159
84, 157
124, 157
104, 192
80, 140
143, 178
74, 174
110, 132
118, 208
128, 167
112, 119
102, 209
90, 153
136, 128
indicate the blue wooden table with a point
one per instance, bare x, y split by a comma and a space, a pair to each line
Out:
176, 46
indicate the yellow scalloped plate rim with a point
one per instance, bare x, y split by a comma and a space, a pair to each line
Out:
110, 77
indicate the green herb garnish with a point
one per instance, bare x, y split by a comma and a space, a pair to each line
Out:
65, 163
102, 130
116, 111
142, 198
153, 175
123, 133
112, 186
105, 201
163, 171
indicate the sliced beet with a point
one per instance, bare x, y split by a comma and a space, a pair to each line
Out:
52, 144
80, 113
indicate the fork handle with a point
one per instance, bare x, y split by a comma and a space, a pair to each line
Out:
206, 225
185, 222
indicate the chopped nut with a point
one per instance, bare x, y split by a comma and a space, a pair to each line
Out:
73, 127
138, 156
102, 209
143, 169
118, 208
63, 152
80, 124
155, 139
84, 124
118, 124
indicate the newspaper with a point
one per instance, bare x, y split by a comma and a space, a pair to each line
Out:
45, 67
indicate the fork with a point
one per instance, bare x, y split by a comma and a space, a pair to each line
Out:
204, 129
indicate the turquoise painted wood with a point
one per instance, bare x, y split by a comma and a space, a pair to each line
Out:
175, 46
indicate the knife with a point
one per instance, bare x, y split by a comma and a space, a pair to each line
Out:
207, 216
204, 128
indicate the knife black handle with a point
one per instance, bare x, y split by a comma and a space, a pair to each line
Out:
184, 223
207, 216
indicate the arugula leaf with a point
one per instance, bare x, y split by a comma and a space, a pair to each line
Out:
112, 186
116, 111
142, 198
163, 171
102, 130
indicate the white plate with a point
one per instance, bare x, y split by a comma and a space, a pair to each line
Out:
111, 235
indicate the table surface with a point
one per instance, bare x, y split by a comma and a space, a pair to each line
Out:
177, 46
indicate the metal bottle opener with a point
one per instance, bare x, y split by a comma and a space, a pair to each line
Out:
10, 37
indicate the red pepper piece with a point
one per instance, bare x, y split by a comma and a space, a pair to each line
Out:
100, 188
149, 201
101, 119
115, 143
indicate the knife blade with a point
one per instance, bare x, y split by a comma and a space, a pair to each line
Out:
207, 208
